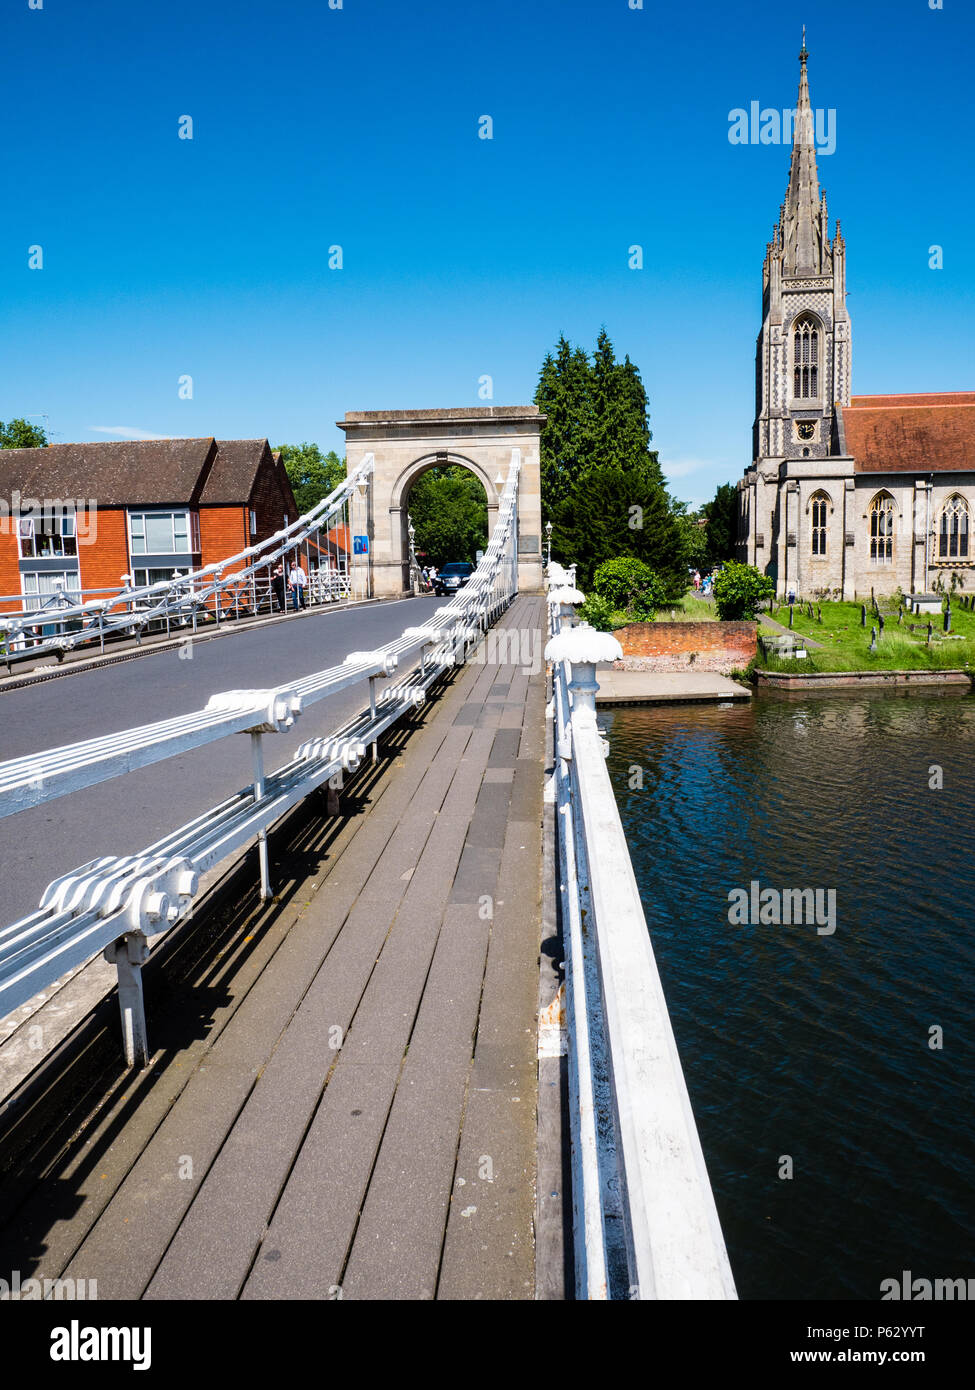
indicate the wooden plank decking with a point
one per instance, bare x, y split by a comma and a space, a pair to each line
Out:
357, 1117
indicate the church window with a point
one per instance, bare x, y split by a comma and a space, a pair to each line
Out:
819, 508
882, 528
953, 532
805, 359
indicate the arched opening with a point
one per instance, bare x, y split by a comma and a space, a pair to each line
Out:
953, 529
448, 508
805, 358
882, 529
819, 509
451, 505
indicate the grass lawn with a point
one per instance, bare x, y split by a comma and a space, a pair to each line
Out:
846, 644
691, 609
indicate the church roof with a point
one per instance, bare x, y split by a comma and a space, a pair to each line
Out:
933, 432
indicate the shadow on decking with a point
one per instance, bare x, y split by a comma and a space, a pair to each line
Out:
199, 971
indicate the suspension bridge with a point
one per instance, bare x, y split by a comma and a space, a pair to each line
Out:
382, 1018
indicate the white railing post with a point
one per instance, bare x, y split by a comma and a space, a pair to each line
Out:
128, 955
257, 758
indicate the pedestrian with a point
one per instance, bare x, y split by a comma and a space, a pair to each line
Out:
297, 579
277, 585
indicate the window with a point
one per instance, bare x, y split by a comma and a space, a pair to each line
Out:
253, 524
805, 359
160, 533
49, 535
882, 529
819, 510
953, 531
42, 589
142, 578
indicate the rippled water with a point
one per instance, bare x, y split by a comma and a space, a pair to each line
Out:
808, 1045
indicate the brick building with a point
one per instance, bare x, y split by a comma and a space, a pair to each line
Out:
83, 515
845, 493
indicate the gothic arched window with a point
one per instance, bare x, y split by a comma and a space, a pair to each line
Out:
819, 509
953, 531
882, 528
805, 358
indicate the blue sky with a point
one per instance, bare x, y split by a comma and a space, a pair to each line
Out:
462, 257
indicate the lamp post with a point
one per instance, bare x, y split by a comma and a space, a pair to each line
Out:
548, 537
414, 567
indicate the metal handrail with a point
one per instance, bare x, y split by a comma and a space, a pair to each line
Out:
117, 903
641, 1194
184, 594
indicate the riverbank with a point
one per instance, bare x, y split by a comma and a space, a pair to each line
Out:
847, 641
926, 680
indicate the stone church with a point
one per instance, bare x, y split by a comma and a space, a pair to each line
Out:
845, 493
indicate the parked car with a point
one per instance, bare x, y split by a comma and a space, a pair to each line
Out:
452, 577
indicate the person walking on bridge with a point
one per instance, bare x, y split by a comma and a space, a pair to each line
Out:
277, 586
297, 579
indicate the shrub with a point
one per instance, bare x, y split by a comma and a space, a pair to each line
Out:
599, 613
739, 589
631, 586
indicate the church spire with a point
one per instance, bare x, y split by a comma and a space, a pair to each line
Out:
806, 244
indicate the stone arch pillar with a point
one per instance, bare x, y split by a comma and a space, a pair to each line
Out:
405, 443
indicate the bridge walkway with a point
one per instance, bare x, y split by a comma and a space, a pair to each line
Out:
342, 1100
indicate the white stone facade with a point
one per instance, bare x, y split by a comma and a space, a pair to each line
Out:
406, 444
807, 502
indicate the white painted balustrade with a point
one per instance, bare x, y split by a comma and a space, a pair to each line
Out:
221, 588
116, 904
645, 1221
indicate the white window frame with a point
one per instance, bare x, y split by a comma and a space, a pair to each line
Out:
67, 530
172, 513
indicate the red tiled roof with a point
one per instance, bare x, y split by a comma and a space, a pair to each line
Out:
932, 433
930, 398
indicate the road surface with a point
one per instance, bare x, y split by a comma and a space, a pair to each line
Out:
128, 813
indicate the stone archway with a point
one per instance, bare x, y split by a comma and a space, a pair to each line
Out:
405, 443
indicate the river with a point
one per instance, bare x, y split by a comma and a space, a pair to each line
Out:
809, 1050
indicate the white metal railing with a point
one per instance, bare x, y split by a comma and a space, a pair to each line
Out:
185, 599
116, 904
645, 1221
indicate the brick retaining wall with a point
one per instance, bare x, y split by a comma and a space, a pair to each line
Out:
720, 647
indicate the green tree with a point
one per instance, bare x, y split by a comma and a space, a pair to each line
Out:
602, 485
565, 396
21, 434
313, 475
694, 534
448, 509
722, 527
613, 512
739, 589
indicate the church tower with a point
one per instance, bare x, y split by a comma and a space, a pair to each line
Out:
802, 365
